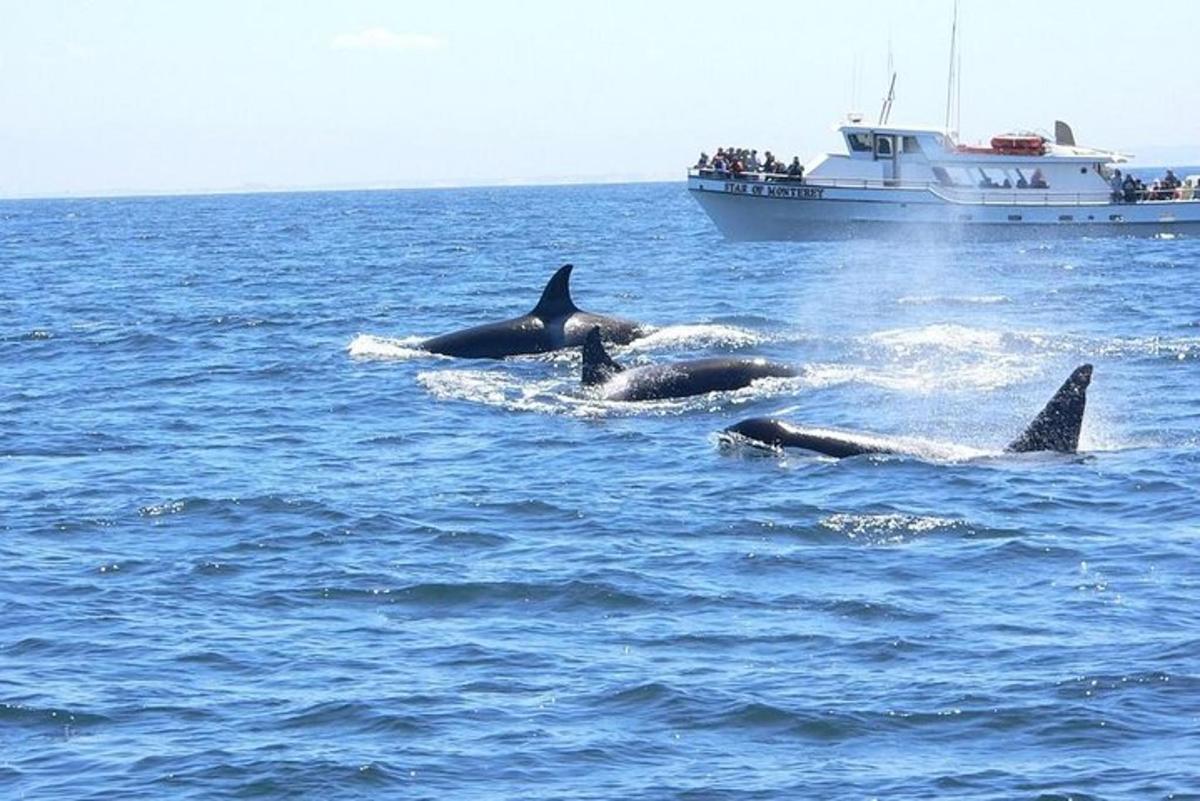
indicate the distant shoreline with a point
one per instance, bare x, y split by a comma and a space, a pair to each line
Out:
133, 194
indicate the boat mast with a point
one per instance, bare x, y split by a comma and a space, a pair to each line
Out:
885, 110
953, 54
958, 95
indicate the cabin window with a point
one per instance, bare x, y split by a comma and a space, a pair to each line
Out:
942, 176
859, 142
987, 182
883, 146
911, 145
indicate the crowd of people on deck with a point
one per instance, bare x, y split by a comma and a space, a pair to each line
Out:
1131, 189
740, 162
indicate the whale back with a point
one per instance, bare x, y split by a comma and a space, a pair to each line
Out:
598, 366
556, 297
1056, 428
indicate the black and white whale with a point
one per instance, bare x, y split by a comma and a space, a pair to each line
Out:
675, 380
1055, 429
554, 323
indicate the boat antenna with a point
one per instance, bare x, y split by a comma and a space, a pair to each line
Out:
958, 96
953, 54
854, 84
885, 111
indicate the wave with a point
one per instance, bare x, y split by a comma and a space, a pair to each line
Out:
243, 508
471, 595
889, 529
35, 335
16, 713
566, 397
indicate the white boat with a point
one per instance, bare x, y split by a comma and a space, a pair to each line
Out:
896, 177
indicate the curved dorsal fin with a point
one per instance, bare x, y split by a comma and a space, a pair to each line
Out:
556, 297
598, 366
1056, 428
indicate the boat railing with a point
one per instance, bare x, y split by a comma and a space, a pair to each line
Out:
998, 196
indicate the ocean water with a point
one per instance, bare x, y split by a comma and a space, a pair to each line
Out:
253, 544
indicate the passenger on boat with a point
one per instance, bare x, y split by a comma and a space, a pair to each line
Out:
1188, 190
1118, 187
1037, 180
702, 163
1129, 189
737, 167
1170, 185
768, 164
752, 163
796, 169
719, 164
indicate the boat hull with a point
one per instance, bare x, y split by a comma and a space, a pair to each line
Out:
755, 210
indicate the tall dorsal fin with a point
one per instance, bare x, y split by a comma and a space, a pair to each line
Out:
598, 366
556, 297
1056, 428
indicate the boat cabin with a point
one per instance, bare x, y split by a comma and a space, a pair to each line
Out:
900, 156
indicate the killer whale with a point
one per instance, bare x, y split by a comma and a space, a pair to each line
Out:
554, 323
675, 380
1056, 428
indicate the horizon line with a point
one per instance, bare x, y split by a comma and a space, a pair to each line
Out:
253, 189
133, 194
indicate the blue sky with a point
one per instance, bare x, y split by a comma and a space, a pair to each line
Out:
119, 96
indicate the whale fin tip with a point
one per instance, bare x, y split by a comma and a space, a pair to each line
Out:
598, 366
556, 297
1056, 428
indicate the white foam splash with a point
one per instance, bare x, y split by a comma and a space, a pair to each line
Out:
496, 388
953, 300
941, 356
713, 335
368, 346
927, 377
1181, 349
566, 397
948, 336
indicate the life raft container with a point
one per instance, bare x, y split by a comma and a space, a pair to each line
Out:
1019, 144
